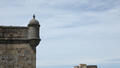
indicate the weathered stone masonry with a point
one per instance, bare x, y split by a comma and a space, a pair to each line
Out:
18, 45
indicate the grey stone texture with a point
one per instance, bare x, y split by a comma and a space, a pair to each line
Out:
92, 66
18, 45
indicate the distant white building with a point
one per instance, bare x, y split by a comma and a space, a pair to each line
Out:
85, 66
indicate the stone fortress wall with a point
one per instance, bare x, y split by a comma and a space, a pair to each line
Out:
18, 45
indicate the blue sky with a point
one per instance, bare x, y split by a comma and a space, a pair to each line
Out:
72, 31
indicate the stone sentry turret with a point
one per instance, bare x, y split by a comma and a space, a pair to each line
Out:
18, 45
33, 32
